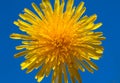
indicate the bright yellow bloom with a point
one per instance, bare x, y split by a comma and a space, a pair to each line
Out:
58, 40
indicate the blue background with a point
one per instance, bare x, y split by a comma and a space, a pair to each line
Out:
109, 65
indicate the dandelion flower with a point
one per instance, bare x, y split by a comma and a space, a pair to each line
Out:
58, 40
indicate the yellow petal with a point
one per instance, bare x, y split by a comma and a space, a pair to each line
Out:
37, 10
97, 26
23, 53
69, 5
92, 64
87, 67
80, 6
65, 73
20, 36
57, 6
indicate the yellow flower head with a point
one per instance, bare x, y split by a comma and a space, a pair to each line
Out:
58, 40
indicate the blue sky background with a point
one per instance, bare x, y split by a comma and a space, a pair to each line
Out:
109, 65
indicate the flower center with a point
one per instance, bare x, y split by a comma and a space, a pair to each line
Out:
61, 42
